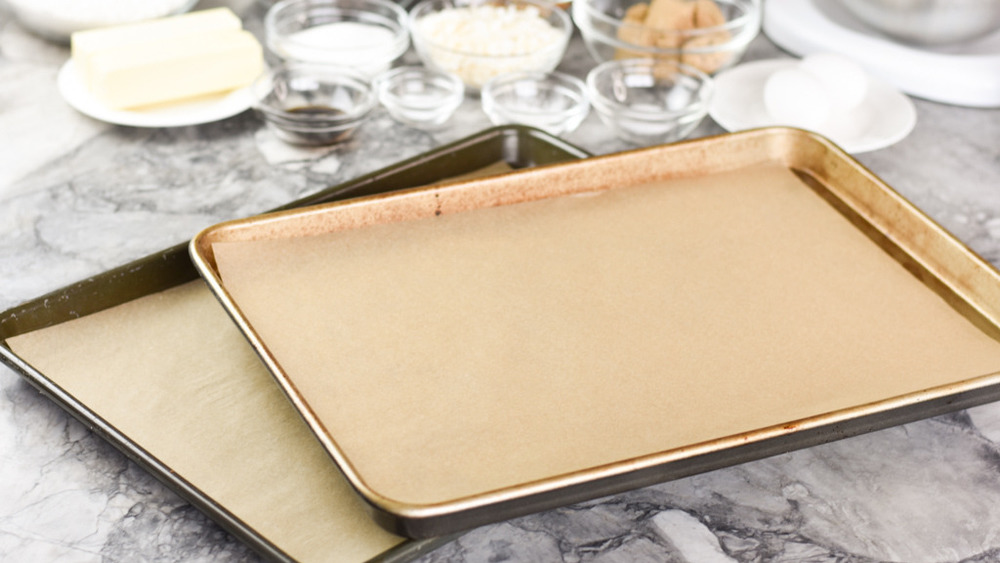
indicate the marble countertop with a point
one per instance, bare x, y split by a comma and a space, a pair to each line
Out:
78, 197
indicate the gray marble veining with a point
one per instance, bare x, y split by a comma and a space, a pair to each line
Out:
834, 502
78, 197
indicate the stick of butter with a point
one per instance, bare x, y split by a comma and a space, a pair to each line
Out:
174, 69
167, 59
84, 44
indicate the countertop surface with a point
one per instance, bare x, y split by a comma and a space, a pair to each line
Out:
78, 197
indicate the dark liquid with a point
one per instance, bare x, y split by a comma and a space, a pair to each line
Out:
319, 113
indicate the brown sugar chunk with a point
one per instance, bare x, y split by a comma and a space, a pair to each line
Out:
671, 15
636, 13
706, 62
635, 31
670, 18
708, 14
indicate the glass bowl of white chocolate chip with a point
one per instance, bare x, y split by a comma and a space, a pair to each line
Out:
710, 35
479, 41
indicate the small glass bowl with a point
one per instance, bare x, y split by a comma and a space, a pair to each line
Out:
368, 35
552, 101
647, 101
420, 97
479, 41
313, 105
610, 34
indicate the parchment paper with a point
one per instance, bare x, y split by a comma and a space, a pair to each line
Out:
173, 373
467, 353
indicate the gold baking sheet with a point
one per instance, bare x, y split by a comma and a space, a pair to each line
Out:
495, 347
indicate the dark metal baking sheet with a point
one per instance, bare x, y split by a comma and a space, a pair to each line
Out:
518, 146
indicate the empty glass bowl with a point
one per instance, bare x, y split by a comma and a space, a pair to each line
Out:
551, 101
418, 96
367, 35
478, 41
616, 29
306, 104
647, 101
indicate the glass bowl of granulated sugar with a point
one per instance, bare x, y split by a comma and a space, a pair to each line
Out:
366, 35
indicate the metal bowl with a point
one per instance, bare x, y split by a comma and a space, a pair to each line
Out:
56, 21
928, 22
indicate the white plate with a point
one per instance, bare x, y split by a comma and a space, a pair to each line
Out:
203, 109
885, 117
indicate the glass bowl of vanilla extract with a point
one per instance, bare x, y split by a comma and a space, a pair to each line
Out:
313, 105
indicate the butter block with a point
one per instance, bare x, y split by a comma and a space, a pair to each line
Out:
84, 44
175, 68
